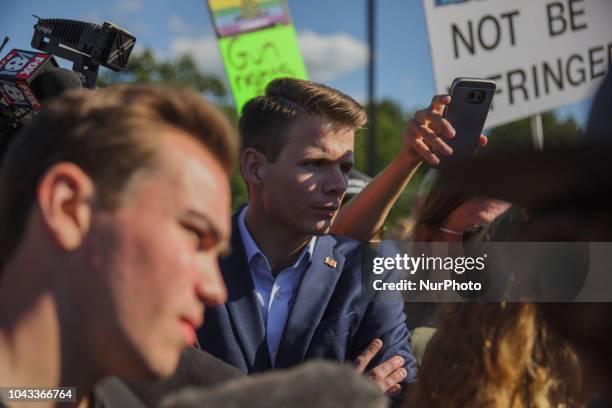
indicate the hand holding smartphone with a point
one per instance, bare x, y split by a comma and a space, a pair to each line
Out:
467, 112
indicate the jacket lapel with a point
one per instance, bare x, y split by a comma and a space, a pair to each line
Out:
242, 304
313, 295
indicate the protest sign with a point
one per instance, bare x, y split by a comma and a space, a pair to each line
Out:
257, 44
252, 60
233, 17
541, 53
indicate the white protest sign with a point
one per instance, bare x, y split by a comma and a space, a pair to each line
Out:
541, 53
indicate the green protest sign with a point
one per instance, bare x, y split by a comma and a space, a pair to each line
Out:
252, 60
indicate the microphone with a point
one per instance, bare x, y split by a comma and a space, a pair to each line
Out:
17, 71
195, 368
54, 82
24, 86
313, 384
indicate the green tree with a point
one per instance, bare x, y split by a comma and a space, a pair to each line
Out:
390, 122
145, 68
517, 135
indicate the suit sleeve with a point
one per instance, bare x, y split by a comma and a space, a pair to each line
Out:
384, 318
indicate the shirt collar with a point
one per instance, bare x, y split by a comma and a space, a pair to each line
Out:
251, 249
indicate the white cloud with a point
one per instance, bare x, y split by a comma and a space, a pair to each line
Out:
119, 13
92, 16
130, 6
178, 25
204, 51
328, 57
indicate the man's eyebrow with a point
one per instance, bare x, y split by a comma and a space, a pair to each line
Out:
316, 154
320, 156
201, 218
316, 158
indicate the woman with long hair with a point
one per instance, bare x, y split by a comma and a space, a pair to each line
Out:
495, 355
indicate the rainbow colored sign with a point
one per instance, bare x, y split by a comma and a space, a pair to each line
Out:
233, 17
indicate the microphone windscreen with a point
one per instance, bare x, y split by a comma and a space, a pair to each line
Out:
195, 368
54, 82
313, 384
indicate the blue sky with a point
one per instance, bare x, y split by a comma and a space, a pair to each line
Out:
332, 36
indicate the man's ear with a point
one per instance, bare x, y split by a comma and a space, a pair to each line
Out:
65, 198
252, 166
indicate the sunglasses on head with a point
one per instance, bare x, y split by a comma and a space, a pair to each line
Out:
467, 234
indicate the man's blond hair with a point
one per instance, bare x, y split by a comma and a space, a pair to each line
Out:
266, 119
111, 134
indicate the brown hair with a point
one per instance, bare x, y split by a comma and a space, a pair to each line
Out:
265, 119
110, 133
495, 355
439, 204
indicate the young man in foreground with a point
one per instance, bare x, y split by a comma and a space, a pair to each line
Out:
114, 206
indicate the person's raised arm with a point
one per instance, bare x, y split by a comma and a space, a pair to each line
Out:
363, 216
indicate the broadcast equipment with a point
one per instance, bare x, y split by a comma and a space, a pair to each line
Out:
27, 78
87, 45
17, 71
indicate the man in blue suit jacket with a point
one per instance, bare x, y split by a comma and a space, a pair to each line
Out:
295, 292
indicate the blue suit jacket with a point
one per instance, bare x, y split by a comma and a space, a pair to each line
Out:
332, 316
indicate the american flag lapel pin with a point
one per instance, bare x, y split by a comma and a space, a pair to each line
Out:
330, 262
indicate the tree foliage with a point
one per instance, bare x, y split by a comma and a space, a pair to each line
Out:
517, 135
390, 122
144, 67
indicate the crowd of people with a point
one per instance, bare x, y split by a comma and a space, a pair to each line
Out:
125, 275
